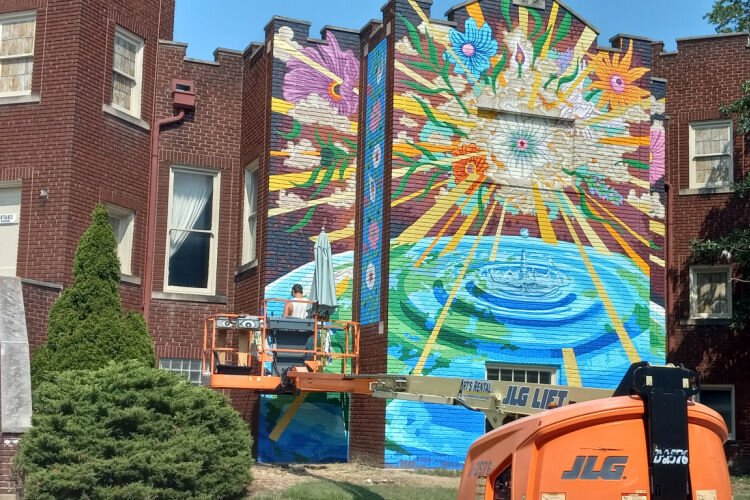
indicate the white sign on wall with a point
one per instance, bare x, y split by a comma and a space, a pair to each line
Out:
8, 218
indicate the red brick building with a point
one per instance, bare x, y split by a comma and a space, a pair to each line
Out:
237, 200
705, 155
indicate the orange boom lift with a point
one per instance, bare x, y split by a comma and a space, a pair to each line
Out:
646, 440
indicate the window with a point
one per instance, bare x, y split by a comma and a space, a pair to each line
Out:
711, 154
710, 292
16, 53
122, 223
529, 374
192, 231
720, 398
249, 228
189, 368
127, 72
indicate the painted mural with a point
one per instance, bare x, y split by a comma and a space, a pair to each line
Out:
372, 202
312, 187
524, 206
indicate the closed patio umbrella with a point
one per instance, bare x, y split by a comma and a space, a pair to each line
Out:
323, 287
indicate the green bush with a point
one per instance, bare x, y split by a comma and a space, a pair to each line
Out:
131, 432
87, 326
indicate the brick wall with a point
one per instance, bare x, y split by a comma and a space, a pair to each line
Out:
8, 448
703, 74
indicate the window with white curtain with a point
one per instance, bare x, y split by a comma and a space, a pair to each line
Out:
249, 228
121, 221
16, 53
192, 231
710, 292
711, 163
127, 72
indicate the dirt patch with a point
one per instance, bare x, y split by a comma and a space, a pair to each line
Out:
272, 478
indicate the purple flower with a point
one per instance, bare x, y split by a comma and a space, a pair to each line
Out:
658, 154
303, 79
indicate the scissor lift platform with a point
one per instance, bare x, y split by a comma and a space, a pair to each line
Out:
275, 354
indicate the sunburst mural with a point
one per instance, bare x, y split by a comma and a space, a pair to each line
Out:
524, 208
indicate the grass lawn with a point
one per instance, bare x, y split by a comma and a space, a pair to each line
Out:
741, 488
327, 490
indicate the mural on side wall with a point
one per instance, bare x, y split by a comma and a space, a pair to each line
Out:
523, 200
312, 186
372, 219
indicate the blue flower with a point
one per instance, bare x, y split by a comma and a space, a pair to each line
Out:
474, 49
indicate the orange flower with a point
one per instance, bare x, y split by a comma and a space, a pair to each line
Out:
616, 79
468, 163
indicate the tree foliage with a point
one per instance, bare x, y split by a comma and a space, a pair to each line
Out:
131, 432
87, 325
730, 16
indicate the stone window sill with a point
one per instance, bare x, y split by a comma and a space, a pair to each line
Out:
246, 267
704, 321
43, 284
706, 191
21, 99
130, 279
189, 297
132, 120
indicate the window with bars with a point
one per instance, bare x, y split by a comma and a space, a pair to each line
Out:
189, 368
127, 72
16, 53
710, 292
527, 374
711, 162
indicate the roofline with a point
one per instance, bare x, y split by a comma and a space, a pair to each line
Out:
286, 19
715, 35
572, 12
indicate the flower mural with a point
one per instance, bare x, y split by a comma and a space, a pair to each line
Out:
326, 71
515, 123
616, 79
471, 50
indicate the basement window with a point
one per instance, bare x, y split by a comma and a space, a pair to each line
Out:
16, 53
127, 72
720, 398
710, 292
524, 373
188, 368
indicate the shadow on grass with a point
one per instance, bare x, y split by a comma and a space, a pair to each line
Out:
320, 488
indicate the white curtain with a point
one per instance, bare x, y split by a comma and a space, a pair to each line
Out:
190, 194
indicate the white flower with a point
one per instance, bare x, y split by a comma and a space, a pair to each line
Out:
405, 47
647, 202
407, 122
300, 157
314, 110
290, 201
284, 46
344, 198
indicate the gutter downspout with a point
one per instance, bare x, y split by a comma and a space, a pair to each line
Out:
669, 260
153, 183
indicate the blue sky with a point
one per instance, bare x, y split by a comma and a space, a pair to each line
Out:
233, 24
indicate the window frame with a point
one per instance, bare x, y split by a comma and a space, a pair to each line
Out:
731, 389
526, 368
27, 15
181, 370
125, 245
694, 271
250, 241
214, 245
692, 181
136, 95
